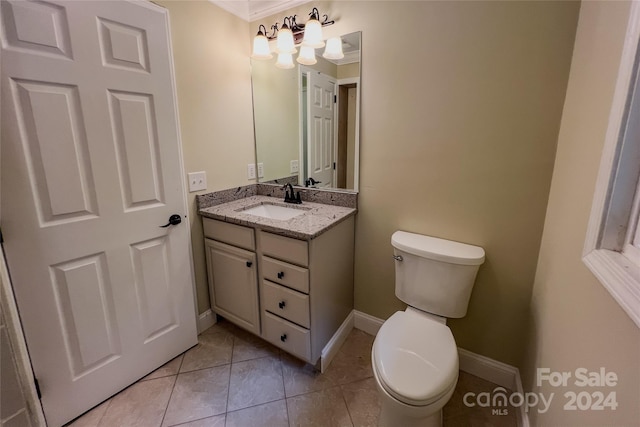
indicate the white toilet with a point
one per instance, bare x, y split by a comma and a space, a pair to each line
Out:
414, 355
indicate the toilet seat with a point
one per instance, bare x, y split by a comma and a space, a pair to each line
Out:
416, 358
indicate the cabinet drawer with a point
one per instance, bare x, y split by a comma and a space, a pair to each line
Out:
286, 303
285, 274
285, 248
286, 335
233, 234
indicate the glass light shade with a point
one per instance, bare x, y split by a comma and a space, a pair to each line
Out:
307, 55
333, 49
285, 42
313, 34
261, 48
285, 61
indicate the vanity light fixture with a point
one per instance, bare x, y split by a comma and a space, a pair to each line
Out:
309, 35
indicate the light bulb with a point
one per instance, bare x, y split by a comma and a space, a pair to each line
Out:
307, 55
333, 49
313, 34
261, 47
285, 41
285, 61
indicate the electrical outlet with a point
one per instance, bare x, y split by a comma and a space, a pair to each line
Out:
260, 170
251, 171
197, 181
294, 167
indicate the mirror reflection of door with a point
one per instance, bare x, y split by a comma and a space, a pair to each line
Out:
321, 99
281, 116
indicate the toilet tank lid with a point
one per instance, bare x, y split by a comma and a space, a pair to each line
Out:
437, 249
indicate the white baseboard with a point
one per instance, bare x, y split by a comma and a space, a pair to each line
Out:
333, 346
206, 320
367, 323
504, 375
475, 364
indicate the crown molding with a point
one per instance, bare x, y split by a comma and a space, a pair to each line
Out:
253, 10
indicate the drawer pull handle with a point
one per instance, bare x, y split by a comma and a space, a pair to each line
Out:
283, 337
281, 275
249, 263
281, 304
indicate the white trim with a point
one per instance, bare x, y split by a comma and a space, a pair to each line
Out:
14, 330
504, 375
206, 320
619, 276
333, 346
251, 11
367, 323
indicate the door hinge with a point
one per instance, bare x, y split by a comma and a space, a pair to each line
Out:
1, 237
35, 380
335, 99
334, 165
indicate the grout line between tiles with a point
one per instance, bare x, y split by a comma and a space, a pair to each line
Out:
105, 411
344, 399
226, 405
175, 381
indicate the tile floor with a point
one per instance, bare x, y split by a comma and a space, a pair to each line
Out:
232, 378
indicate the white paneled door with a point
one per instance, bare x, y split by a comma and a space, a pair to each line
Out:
91, 168
321, 131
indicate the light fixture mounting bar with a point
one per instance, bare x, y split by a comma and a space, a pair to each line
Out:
296, 28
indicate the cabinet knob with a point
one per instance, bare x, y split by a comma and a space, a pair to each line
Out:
249, 263
280, 274
283, 337
281, 304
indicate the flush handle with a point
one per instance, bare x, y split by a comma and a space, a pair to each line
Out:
283, 337
281, 304
398, 257
280, 274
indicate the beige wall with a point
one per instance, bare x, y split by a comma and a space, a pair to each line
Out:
575, 322
457, 142
349, 70
211, 54
459, 124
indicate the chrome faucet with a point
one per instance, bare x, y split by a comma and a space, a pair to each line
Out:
291, 197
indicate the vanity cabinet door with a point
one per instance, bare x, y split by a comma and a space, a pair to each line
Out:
233, 284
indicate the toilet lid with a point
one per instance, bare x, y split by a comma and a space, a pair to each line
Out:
416, 358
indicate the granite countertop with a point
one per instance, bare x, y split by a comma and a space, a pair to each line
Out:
316, 219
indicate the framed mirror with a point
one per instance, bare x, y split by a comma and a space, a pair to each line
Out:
307, 119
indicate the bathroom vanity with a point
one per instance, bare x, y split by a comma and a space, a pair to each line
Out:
289, 281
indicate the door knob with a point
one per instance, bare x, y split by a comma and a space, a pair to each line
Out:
281, 304
174, 219
280, 274
283, 337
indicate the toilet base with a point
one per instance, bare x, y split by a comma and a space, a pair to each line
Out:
394, 413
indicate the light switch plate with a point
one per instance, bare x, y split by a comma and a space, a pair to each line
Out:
260, 170
197, 181
295, 168
251, 171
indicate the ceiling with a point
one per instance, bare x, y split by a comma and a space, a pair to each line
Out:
253, 10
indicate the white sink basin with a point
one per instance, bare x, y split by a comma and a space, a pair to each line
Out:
277, 212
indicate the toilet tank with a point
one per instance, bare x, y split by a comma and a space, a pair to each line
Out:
435, 275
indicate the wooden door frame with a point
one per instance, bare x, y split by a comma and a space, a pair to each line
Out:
356, 155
